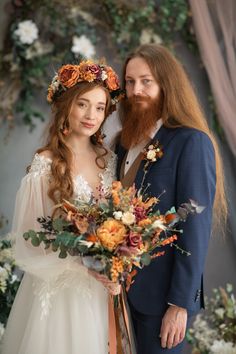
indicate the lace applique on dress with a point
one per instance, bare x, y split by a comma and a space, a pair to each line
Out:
40, 165
82, 190
109, 175
47, 290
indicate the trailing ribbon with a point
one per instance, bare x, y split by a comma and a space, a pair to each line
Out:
121, 339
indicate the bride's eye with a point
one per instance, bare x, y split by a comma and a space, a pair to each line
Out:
101, 109
81, 104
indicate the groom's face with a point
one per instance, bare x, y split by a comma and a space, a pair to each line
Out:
140, 83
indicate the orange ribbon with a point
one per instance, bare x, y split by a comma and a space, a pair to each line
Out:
112, 325
115, 346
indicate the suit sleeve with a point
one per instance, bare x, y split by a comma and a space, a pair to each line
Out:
196, 179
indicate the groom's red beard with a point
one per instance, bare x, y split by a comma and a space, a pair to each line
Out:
139, 116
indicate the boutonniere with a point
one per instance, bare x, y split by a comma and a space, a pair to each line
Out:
151, 154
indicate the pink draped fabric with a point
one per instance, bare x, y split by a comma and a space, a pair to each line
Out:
214, 23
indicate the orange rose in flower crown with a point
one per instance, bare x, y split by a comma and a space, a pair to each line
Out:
68, 75
87, 70
112, 79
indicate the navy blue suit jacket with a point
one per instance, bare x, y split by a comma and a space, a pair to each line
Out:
186, 171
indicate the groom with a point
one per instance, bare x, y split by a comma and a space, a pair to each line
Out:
160, 105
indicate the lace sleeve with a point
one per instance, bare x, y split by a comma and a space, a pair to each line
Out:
40, 165
32, 202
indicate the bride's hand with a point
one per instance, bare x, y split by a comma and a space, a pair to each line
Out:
113, 288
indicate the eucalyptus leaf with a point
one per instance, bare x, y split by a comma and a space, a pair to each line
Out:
35, 241
58, 224
146, 259
29, 234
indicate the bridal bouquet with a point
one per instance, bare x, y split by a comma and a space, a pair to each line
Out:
113, 236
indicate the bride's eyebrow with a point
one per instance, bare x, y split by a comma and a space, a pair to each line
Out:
86, 100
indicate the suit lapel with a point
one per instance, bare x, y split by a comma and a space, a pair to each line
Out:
164, 136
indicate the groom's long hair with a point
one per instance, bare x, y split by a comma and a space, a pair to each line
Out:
180, 107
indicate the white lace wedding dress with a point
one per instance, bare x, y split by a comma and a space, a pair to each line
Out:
59, 307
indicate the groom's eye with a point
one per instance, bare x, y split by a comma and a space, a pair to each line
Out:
146, 81
129, 82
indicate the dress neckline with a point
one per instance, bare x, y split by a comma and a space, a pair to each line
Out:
79, 176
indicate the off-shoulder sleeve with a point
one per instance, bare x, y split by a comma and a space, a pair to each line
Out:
33, 202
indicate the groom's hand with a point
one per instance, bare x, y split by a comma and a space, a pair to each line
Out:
173, 326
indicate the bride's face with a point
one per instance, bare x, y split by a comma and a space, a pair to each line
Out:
88, 112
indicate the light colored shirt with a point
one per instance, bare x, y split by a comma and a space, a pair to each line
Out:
134, 151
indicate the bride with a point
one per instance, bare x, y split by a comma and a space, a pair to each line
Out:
60, 307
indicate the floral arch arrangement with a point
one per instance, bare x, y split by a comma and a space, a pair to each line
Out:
42, 35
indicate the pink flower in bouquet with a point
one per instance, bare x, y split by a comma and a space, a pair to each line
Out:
134, 239
140, 213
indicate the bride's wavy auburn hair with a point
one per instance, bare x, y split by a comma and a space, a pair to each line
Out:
61, 183
180, 108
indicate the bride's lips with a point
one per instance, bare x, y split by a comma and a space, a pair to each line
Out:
87, 125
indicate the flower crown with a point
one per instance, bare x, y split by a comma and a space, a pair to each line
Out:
69, 75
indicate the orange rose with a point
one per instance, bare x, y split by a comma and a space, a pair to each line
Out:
68, 75
112, 80
111, 233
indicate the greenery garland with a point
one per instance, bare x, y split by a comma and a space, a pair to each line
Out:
42, 35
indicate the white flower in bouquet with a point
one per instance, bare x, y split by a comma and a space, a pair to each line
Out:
128, 218
222, 347
27, 32
82, 45
118, 215
158, 224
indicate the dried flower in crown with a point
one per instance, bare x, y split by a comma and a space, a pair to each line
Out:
69, 75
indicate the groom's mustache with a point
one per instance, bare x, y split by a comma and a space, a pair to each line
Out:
133, 100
